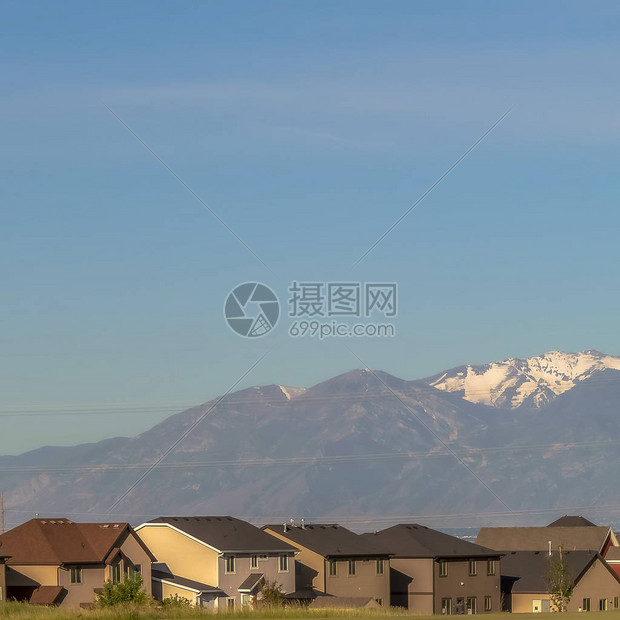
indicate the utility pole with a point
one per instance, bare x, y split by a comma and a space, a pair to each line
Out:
2, 510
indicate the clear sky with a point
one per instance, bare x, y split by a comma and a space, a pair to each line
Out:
309, 127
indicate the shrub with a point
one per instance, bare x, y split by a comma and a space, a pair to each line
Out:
128, 591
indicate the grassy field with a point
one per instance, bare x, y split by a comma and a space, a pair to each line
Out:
22, 611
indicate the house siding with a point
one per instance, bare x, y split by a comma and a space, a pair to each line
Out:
2, 581
184, 557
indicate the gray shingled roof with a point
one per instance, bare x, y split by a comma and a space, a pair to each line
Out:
329, 540
227, 534
572, 521
526, 571
417, 541
573, 538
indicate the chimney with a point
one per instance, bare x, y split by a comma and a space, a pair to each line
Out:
284, 526
303, 524
36, 516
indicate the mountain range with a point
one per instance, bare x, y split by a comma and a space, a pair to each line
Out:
510, 442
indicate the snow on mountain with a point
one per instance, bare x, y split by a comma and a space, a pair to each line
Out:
531, 382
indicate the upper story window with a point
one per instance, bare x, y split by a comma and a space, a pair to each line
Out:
254, 561
351, 567
283, 563
379, 567
443, 568
230, 563
332, 568
473, 568
76, 574
490, 567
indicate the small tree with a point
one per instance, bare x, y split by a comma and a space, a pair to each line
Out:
128, 591
272, 595
560, 581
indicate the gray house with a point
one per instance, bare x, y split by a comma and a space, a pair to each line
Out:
337, 563
434, 573
217, 562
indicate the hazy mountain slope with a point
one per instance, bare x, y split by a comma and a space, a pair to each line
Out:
349, 447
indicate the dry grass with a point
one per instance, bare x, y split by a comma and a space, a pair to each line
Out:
23, 611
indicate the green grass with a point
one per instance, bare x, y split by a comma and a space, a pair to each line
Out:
23, 611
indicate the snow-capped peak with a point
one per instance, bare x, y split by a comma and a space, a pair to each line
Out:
532, 382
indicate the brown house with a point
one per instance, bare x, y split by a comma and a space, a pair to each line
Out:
336, 562
525, 584
434, 573
217, 562
3, 559
59, 562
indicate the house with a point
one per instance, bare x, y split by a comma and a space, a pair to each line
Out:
525, 585
569, 537
435, 573
59, 562
217, 562
3, 559
336, 562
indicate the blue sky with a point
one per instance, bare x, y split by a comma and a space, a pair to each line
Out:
309, 127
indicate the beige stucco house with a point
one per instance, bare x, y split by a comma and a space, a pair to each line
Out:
217, 562
435, 573
336, 562
59, 562
525, 583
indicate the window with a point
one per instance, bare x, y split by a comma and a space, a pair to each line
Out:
379, 601
116, 573
585, 605
379, 567
446, 606
351, 568
473, 568
490, 567
134, 569
254, 561
443, 568
487, 603
230, 602
230, 564
283, 564
602, 604
471, 604
332, 568
616, 602
76, 575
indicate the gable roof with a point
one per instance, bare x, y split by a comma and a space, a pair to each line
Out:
328, 540
526, 571
60, 541
225, 534
575, 538
410, 540
572, 521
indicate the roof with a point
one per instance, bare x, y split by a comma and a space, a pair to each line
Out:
417, 541
526, 571
60, 541
47, 595
328, 540
226, 534
572, 538
250, 582
160, 571
572, 521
